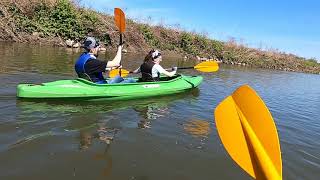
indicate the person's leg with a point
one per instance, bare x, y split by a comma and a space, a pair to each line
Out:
129, 80
116, 79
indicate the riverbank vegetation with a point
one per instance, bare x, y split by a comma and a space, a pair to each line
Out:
54, 21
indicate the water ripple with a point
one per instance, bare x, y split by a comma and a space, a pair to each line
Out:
30, 138
173, 127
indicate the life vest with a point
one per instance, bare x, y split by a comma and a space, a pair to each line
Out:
79, 67
146, 72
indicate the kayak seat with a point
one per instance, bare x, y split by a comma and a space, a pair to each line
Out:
167, 78
85, 76
162, 78
148, 77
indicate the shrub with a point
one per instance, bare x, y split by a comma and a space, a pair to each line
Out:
149, 36
311, 62
217, 48
186, 43
63, 20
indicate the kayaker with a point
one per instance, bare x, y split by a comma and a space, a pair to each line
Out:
89, 67
151, 69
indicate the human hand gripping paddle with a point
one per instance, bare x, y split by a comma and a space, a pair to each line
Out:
119, 19
249, 134
208, 66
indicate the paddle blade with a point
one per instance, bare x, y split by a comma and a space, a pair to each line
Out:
232, 136
207, 66
247, 131
116, 72
119, 19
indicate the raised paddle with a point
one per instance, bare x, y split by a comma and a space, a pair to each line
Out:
248, 133
208, 66
120, 20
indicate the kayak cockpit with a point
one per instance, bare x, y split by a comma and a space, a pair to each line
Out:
163, 79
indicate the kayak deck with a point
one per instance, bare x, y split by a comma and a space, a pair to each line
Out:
81, 88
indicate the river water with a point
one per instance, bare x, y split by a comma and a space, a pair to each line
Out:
172, 137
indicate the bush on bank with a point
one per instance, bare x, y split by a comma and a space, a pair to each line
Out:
67, 20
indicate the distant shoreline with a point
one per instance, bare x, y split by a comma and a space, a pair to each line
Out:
63, 23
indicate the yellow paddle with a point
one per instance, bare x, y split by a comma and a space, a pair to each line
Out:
249, 134
208, 66
115, 72
120, 20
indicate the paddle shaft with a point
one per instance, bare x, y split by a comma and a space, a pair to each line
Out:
265, 162
191, 67
120, 22
121, 52
210, 66
121, 41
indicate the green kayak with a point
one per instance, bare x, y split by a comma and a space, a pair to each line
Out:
81, 88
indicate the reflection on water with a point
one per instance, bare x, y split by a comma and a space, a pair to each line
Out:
105, 135
150, 112
198, 128
85, 140
30, 138
136, 139
84, 115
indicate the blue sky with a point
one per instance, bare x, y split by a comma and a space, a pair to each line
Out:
289, 26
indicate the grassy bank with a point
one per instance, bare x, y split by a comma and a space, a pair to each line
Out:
54, 21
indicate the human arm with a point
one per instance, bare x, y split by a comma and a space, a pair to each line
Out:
135, 71
165, 72
116, 60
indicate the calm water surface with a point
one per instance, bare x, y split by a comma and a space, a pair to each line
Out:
172, 137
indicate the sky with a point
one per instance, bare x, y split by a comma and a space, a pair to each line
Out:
288, 26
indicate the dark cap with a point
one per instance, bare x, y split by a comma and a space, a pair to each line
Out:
90, 43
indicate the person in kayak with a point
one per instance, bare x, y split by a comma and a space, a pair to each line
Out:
151, 69
89, 67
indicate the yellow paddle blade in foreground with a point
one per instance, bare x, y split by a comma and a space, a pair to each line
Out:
119, 19
116, 72
207, 66
249, 134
